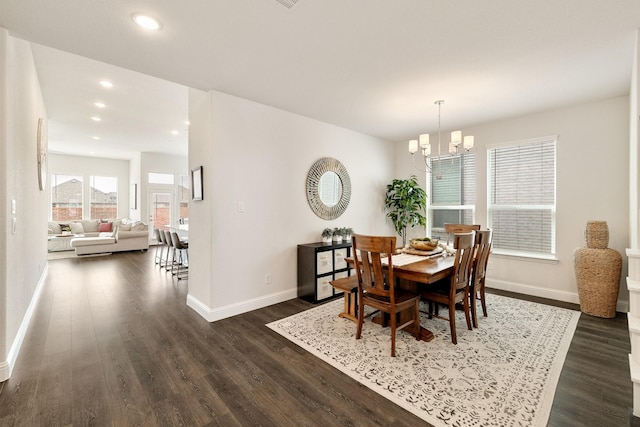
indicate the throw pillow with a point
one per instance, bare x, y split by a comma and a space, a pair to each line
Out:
105, 227
124, 227
55, 228
90, 225
65, 227
137, 226
76, 228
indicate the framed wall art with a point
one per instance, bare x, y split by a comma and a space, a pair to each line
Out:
42, 147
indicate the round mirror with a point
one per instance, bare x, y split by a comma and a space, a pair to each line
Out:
328, 188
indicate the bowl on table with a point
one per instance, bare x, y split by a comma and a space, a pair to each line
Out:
425, 244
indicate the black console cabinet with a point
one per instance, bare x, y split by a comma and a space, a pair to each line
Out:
318, 264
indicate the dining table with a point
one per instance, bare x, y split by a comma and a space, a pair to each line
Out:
412, 273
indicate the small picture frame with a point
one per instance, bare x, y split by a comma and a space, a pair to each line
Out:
196, 183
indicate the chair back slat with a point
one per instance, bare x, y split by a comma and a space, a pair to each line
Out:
464, 244
368, 252
483, 249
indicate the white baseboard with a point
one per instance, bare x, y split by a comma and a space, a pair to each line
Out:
6, 367
211, 315
572, 297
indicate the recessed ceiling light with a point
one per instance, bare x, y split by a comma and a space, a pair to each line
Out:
99, 104
174, 132
96, 118
187, 122
146, 22
96, 137
106, 83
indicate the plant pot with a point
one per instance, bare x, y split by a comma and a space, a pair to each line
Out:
326, 239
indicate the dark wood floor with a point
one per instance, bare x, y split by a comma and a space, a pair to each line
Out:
113, 343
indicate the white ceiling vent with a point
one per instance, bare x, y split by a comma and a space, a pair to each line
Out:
289, 4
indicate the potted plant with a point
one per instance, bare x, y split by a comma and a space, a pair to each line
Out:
337, 235
326, 235
347, 233
405, 203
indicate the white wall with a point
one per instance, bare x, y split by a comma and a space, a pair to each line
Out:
260, 156
21, 105
93, 166
592, 183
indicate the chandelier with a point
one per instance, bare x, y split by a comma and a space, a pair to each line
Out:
425, 149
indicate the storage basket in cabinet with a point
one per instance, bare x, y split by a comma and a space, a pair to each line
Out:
319, 264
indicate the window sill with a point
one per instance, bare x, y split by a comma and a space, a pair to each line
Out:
545, 259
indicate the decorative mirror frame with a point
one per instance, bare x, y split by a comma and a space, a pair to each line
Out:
319, 168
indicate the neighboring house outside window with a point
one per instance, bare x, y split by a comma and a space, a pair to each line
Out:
522, 197
66, 197
452, 198
104, 197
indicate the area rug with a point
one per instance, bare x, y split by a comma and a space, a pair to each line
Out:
502, 374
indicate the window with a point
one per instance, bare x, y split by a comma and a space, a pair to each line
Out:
104, 197
453, 196
522, 197
66, 197
160, 178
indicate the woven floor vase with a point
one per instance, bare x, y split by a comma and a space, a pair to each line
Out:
598, 271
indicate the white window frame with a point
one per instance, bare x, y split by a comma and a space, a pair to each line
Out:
491, 208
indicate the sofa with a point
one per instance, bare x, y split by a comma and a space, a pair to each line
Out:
97, 236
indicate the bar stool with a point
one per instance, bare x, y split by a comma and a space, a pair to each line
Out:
160, 246
181, 268
168, 265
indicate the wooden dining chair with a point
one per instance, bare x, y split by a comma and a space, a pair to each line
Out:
451, 229
483, 241
456, 291
377, 289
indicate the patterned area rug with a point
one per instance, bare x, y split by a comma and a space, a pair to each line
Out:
502, 374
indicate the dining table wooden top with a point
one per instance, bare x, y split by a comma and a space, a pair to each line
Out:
425, 270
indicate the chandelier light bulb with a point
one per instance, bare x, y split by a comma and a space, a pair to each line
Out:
468, 142
413, 146
424, 140
456, 137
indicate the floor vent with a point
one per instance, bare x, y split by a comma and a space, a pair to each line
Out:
289, 4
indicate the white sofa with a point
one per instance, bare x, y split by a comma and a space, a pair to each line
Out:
103, 236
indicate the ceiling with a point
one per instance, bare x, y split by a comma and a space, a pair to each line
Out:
374, 66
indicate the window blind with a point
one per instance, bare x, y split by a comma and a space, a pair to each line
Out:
452, 198
522, 196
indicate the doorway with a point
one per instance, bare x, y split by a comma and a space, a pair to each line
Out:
161, 206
